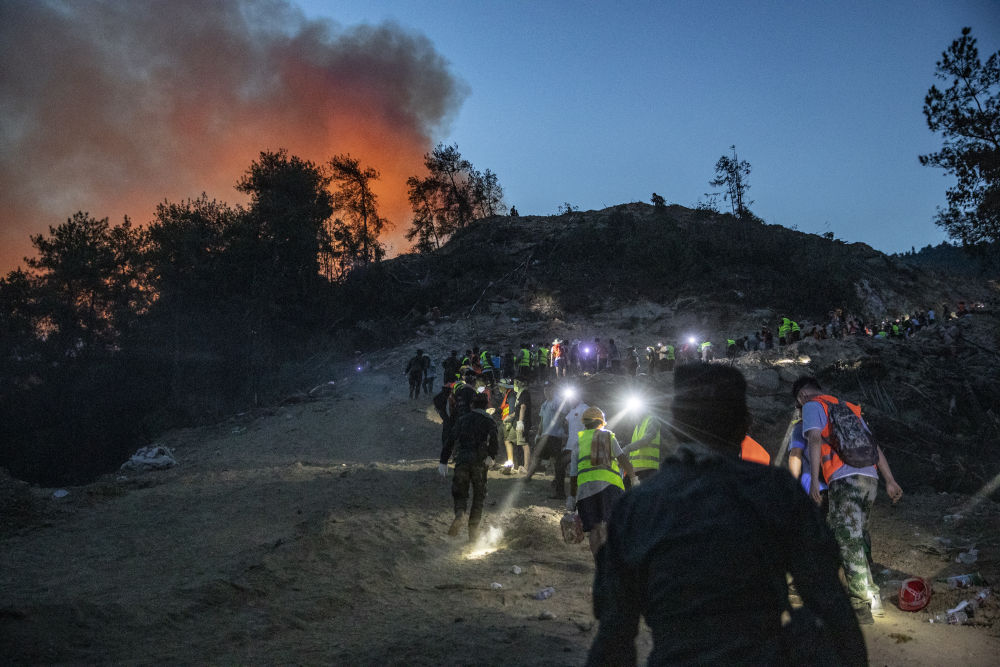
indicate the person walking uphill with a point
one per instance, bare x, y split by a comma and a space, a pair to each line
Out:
852, 488
595, 480
475, 439
415, 373
702, 551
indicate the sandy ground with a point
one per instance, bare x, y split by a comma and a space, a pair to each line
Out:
316, 533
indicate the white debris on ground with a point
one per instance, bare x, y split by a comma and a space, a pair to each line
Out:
153, 457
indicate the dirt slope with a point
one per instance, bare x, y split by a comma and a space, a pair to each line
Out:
315, 533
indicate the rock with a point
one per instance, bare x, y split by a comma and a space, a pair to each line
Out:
761, 382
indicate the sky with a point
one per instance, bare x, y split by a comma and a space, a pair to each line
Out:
112, 107
601, 103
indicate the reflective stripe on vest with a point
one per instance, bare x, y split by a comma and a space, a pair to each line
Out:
484, 359
543, 356
645, 457
670, 351
585, 473
505, 406
525, 357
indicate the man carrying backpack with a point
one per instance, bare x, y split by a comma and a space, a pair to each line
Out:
841, 445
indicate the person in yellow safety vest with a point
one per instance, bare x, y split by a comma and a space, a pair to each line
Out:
524, 362
706, 351
796, 332
596, 477
644, 450
783, 330
543, 363
486, 363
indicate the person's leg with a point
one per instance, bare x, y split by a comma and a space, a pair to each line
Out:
851, 500
598, 535
477, 478
559, 476
460, 482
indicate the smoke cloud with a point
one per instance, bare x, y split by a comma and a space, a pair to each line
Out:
112, 107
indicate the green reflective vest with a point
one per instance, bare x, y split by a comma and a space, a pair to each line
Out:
670, 351
525, 358
543, 356
585, 473
795, 326
645, 457
485, 360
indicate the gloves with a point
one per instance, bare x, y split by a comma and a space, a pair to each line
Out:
634, 479
443, 469
570, 503
520, 427
488, 461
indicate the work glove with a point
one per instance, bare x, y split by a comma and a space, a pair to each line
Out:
443, 469
570, 503
488, 461
634, 479
520, 427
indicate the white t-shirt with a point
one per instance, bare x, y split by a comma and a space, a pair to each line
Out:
574, 420
814, 417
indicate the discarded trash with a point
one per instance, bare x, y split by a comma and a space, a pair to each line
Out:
546, 616
516, 569
60, 493
951, 518
965, 580
545, 593
153, 457
914, 594
945, 541
968, 557
496, 585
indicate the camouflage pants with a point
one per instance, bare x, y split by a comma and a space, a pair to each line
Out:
851, 500
469, 476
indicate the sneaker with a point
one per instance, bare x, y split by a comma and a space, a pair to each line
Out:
522, 470
864, 616
877, 610
456, 525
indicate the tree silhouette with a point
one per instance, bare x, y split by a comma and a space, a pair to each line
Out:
967, 115
357, 236
733, 174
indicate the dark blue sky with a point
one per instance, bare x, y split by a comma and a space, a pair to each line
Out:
600, 103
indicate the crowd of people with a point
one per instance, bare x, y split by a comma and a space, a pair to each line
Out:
630, 509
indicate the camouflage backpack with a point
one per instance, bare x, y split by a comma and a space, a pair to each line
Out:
850, 437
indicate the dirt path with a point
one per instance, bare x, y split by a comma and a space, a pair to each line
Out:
316, 534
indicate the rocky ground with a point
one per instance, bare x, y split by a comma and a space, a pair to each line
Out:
315, 532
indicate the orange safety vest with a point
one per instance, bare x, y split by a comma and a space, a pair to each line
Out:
751, 450
831, 461
556, 351
505, 406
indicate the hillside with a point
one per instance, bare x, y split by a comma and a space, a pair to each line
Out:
692, 262
315, 531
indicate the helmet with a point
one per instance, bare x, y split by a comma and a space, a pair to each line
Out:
593, 414
914, 594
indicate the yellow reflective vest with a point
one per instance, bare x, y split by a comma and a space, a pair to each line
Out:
645, 458
525, 358
587, 473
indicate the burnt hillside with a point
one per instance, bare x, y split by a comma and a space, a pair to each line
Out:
582, 263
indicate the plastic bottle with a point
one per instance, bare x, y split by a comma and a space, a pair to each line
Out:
966, 580
545, 593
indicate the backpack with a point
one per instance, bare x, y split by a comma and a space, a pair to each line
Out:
850, 437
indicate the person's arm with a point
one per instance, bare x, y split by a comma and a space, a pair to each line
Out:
813, 559
815, 441
616, 601
448, 445
493, 445
795, 463
891, 487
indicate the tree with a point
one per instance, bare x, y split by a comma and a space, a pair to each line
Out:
967, 115
354, 196
659, 203
89, 283
733, 174
449, 197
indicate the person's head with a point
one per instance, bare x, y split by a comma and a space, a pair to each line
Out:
550, 390
470, 376
710, 406
593, 417
420, 353
804, 387
479, 401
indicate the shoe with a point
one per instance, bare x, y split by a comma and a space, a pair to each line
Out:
522, 470
864, 616
473, 533
456, 525
877, 610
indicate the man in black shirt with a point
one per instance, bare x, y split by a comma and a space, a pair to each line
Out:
703, 548
475, 436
